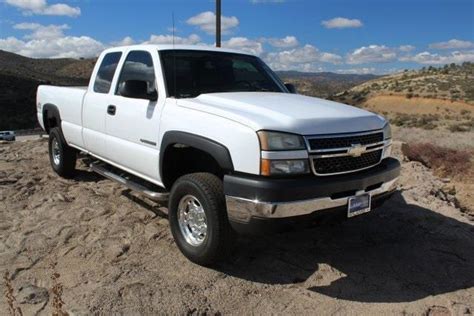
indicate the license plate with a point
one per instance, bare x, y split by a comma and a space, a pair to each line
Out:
358, 205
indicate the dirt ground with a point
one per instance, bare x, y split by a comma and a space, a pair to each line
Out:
115, 254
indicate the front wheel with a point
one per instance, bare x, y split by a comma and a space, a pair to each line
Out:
61, 156
198, 218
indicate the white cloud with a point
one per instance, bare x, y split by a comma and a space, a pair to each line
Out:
285, 42
436, 59
372, 54
406, 48
206, 21
65, 47
28, 5
127, 40
168, 39
39, 31
358, 71
341, 23
330, 58
452, 44
49, 41
172, 29
244, 44
41, 7
306, 58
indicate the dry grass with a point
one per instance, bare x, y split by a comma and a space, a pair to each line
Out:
425, 121
445, 161
414, 105
13, 309
462, 126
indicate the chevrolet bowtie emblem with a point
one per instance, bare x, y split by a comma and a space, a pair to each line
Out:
356, 150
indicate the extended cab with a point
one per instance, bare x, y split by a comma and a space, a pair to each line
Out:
218, 136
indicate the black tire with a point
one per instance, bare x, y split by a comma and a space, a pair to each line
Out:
219, 240
65, 166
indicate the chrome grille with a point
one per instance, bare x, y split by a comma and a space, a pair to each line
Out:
336, 154
341, 164
344, 141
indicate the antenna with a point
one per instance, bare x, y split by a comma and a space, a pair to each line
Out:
218, 23
172, 21
174, 59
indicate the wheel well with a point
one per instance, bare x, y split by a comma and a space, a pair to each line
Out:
179, 160
51, 118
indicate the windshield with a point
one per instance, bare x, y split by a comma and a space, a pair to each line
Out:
189, 73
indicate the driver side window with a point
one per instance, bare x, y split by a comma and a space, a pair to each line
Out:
245, 71
138, 66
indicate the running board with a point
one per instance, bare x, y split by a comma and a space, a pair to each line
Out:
132, 185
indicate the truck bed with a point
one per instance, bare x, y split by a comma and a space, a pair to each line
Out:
69, 101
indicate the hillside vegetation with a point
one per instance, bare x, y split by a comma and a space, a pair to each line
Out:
428, 98
449, 82
19, 78
323, 84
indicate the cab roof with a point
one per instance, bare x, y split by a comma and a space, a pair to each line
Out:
177, 47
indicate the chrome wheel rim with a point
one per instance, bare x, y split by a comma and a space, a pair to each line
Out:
55, 151
192, 220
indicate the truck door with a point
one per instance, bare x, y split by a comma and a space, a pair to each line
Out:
95, 105
132, 122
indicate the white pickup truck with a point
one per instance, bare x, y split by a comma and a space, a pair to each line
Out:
218, 136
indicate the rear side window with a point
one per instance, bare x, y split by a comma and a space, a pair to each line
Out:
138, 66
106, 72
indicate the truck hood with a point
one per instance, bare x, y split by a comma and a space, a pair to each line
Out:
286, 112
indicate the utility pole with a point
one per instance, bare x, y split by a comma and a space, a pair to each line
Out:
218, 23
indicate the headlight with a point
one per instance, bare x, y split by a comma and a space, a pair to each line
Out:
284, 167
282, 154
387, 131
280, 141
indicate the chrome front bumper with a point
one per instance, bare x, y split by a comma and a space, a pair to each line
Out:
243, 210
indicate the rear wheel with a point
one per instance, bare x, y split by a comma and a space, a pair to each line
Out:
61, 156
198, 218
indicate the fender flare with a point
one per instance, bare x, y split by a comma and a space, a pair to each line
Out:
52, 112
218, 151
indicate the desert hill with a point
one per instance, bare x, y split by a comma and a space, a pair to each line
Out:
19, 78
62, 70
449, 82
323, 84
428, 98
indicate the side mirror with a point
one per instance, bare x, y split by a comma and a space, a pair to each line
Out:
291, 87
137, 89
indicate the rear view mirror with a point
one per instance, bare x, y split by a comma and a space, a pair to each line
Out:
137, 89
291, 87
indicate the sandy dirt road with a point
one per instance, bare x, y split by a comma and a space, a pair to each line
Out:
115, 254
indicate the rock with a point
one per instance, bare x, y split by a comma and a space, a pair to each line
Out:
59, 197
163, 221
32, 294
445, 180
438, 311
449, 189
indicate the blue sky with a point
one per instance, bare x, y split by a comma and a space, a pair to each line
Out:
366, 36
